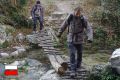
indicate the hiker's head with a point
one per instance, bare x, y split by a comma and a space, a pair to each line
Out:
38, 2
77, 11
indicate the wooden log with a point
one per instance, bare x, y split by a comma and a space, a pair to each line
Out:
59, 58
58, 68
62, 62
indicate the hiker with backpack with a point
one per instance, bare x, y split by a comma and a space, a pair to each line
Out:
76, 23
37, 14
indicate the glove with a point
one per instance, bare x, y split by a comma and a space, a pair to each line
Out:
89, 41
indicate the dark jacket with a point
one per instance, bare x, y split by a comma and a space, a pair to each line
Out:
34, 8
75, 34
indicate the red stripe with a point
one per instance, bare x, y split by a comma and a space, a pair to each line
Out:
11, 72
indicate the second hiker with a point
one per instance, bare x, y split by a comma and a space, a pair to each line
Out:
37, 14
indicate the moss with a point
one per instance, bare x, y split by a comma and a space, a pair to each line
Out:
104, 74
5, 44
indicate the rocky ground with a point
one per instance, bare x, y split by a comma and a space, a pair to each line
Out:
33, 64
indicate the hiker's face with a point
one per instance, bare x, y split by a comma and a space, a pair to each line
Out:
77, 13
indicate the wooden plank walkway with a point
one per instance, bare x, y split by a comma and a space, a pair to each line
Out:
62, 67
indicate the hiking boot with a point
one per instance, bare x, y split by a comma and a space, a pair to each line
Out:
33, 32
72, 74
77, 68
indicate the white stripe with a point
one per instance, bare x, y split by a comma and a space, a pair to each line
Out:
10, 67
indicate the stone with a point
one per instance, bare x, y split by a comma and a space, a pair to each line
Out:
9, 37
116, 53
50, 75
35, 70
19, 63
2, 35
15, 53
15, 63
20, 37
32, 39
5, 33
20, 49
32, 62
115, 60
4, 54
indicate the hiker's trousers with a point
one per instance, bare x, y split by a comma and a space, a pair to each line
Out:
35, 23
75, 51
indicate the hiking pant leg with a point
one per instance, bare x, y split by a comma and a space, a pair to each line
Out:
79, 55
72, 52
34, 23
41, 23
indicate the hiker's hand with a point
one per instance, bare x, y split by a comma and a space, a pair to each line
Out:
89, 41
59, 35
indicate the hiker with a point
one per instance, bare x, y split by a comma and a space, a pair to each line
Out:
37, 14
76, 23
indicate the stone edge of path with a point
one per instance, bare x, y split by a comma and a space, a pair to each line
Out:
19, 50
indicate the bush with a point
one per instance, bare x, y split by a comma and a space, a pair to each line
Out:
104, 74
5, 44
14, 13
100, 37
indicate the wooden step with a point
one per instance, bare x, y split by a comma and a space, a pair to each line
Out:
53, 53
45, 45
76, 78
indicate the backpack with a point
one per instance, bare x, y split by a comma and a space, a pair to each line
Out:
71, 18
37, 10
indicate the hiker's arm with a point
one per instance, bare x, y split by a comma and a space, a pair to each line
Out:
42, 13
64, 25
32, 11
89, 30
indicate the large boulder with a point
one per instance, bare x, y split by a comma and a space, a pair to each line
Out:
4, 55
115, 60
5, 33
9, 37
34, 68
20, 37
2, 35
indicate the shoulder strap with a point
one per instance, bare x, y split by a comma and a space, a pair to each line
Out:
83, 21
35, 8
69, 20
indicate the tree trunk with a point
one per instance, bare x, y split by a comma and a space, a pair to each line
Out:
58, 68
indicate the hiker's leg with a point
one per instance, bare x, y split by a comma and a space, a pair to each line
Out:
34, 23
72, 52
79, 55
41, 23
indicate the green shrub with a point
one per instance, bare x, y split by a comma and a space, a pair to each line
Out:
100, 37
106, 74
5, 44
14, 13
